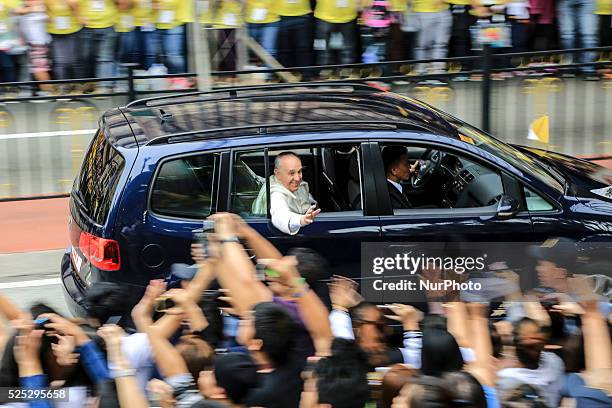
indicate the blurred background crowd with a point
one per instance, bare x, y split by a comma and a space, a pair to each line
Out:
227, 333
67, 39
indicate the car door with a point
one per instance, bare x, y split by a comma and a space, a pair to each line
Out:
435, 225
457, 224
336, 235
183, 193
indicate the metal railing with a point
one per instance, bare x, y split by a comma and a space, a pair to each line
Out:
43, 138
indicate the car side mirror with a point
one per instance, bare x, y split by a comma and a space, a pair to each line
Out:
507, 207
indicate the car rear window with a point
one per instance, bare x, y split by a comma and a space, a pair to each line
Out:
97, 182
186, 187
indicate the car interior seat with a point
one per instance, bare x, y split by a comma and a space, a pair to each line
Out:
328, 173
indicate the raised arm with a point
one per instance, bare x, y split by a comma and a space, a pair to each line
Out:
9, 310
27, 357
128, 390
142, 312
236, 271
167, 358
262, 248
597, 345
312, 310
457, 316
482, 367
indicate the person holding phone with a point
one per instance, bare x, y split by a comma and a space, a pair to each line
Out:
291, 204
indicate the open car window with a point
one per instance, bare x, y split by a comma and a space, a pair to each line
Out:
448, 181
332, 173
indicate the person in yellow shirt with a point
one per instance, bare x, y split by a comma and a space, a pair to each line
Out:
8, 72
295, 35
398, 49
125, 26
226, 16
263, 23
98, 38
604, 11
335, 31
64, 28
435, 22
171, 16
145, 46
460, 44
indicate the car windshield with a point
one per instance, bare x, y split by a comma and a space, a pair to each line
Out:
523, 162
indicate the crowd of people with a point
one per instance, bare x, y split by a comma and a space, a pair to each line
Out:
226, 332
66, 39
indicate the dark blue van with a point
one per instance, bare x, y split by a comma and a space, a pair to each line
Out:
158, 167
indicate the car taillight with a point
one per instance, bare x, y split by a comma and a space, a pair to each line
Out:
102, 253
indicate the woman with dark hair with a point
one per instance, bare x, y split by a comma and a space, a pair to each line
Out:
474, 385
440, 353
339, 380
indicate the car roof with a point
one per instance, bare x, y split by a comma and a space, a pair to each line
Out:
283, 108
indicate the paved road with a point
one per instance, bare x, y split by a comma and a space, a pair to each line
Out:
27, 278
34, 225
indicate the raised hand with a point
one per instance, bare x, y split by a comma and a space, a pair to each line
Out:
343, 293
63, 350
310, 215
66, 328
27, 346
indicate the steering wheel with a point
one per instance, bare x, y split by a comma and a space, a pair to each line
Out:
430, 162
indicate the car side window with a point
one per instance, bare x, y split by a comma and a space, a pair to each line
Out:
330, 173
440, 179
535, 202
186, 187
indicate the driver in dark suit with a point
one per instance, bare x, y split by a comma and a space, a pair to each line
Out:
398, 169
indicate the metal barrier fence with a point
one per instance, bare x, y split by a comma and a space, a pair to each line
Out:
43, 138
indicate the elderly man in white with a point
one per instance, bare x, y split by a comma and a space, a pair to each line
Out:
291, 205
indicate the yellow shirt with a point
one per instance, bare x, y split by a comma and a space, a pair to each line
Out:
185, 12
61, 18
228, 15
98, 13
459, 2
171, 13
6, 6
125, 21
604, 7
204, 11
261, 11
142, 10
293, 7
429, 6
398, 5
336, 11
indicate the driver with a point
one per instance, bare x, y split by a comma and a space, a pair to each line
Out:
398, 169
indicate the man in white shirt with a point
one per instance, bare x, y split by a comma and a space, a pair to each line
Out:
291, 205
